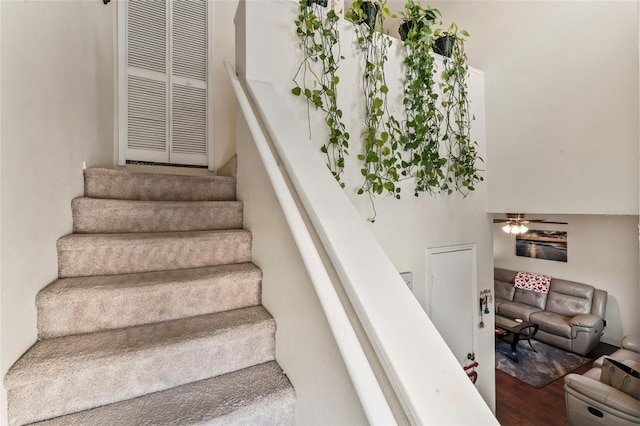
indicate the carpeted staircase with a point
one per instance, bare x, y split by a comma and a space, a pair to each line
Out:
156, 317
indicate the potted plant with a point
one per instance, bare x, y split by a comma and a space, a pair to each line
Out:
316, 78
446, 40
461, 171
364, 12
414, 17
432, 142
443, 45
322, 3
421, 134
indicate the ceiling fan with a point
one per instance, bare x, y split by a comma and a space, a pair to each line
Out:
514, 223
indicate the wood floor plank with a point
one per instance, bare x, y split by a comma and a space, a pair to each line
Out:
519, 404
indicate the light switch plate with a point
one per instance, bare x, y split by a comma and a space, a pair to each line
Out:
408, 278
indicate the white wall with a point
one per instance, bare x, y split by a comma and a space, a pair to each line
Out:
57, 75
562, 131
305, 347
406, 228
57, 101
562, 102
223, 51
603, 252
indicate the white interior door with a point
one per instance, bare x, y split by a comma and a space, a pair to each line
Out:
450, 296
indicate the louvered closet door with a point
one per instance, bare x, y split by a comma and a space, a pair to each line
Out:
166, 87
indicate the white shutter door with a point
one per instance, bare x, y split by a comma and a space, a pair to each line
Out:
167, 112
189, 128
147, 82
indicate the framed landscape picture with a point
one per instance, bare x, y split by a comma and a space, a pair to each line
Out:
548, 245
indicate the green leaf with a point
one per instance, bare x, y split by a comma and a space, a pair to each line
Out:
296, 91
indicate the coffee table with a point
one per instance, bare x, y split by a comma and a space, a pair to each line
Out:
512, 330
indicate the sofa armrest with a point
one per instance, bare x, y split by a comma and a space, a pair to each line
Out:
585, 320
599, 303
604, 394
631, 343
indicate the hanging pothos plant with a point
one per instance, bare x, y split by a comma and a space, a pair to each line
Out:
420, 140
316, 78
461, 173
434, 144
380, 166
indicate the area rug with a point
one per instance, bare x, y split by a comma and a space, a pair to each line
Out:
540, 368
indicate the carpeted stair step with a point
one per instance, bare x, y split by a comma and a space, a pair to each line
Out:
109, 254
89, 304
259, 395
97, 215
125, 185
69, 374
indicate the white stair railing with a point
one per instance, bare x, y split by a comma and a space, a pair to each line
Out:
426, 377
366, 385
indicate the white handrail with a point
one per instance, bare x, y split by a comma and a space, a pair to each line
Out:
425, 375
366, 385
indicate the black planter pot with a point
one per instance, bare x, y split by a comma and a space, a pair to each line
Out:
370, 10
444, 45
406, 26
322, 3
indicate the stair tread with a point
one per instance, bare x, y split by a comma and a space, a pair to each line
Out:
65, 355
88, 304
124, 253
263, 387
127, 185
67, 286
110, 203
100, 215
80, 241
114, 173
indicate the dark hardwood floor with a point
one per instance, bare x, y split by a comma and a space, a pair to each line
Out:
517, 403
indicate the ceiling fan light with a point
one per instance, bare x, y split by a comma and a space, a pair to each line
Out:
523, 229
507, 228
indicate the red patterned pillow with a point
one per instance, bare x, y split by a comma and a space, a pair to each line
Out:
534, 282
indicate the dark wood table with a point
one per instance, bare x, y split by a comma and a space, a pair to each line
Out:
512, 331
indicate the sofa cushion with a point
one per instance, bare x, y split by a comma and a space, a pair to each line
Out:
504, 275
585, 320
503, 290
498, 303
529, 297
622, 355
552, 323
569, 298
594, 373
517, 310
632, 343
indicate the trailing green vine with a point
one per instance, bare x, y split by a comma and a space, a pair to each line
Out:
380, 165
461, 173
420, 140
433, 143
319, 40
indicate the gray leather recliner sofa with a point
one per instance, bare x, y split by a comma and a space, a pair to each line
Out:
570, 316
591, 402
